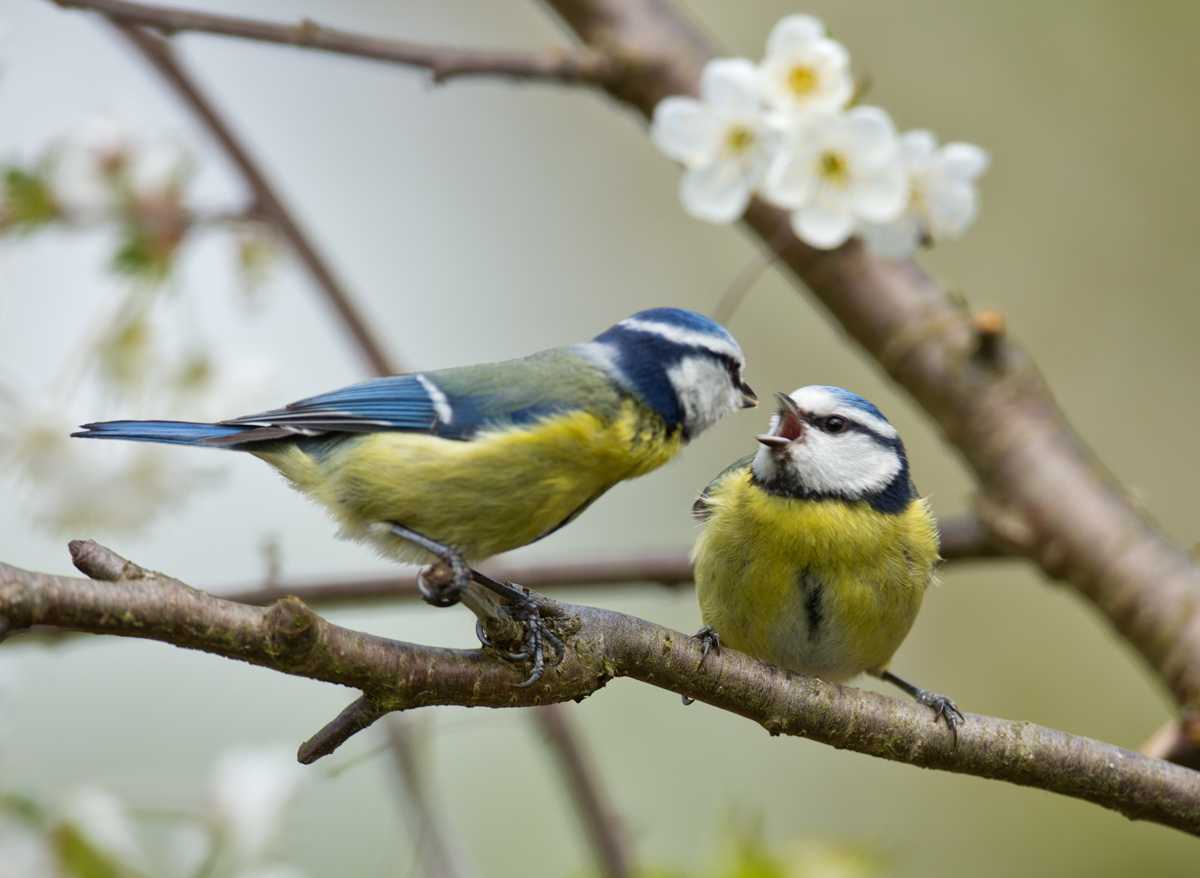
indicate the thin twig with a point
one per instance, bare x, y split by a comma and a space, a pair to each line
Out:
596, 812
600, 645
158, 52
963, 539
564, 66
732, 297
430, 829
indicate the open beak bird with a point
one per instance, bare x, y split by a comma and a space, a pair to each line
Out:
816, 550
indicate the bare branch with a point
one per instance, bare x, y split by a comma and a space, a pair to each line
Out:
963, 539
564, 66
595, 809
601, 644
158, 52
1042, 491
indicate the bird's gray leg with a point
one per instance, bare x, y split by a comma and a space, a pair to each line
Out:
944, 706
449, 590
453, 584
709, 639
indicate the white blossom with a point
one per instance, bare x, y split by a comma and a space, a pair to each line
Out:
101, 147
249, 794
720, 139
804, 70
836, 170
25, 853
943, 200
102, 819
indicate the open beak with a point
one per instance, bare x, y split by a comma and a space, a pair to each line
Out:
790, 426
749, 399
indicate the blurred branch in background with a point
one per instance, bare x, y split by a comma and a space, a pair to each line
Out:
962, 539
584, 66
596, 813
439, 856
158, 52
125, 600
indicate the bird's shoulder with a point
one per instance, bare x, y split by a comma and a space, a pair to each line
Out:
702, 509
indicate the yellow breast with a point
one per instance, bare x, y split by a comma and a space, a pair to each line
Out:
824, 587
499, 490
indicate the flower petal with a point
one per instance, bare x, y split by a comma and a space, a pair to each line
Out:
916, 146
880, 196
789, 181
685, 131
821, 227
895, 240
872, 131
965, 160
731, 86
792, 32
718, 192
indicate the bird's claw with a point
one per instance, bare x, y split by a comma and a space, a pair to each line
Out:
537, 636
944, 708
709, 639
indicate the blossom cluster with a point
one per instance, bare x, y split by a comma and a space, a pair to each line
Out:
788, 131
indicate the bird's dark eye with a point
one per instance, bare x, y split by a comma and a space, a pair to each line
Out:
834, 424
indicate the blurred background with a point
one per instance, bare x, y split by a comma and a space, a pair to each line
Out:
483, 220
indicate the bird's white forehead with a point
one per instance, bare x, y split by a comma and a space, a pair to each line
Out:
690, 337
822, 401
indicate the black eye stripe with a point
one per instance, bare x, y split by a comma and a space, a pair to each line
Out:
851, 426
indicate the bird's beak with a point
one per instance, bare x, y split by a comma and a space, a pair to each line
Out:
749, 399
788, 429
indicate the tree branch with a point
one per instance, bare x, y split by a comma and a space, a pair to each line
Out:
564, 66
601, 644
158, 52
1042, 492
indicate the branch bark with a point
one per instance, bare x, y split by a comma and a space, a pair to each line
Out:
563, 66
289, 637
1041, 490
158, 52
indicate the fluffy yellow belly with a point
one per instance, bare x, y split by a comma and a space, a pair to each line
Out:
823, 587
500, 490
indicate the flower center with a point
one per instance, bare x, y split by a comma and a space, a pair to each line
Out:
833, 168
802, 81
739, 139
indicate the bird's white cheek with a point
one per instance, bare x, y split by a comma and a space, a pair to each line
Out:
704, 391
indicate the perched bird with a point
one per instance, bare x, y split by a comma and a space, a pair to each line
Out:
460, 464
816, 550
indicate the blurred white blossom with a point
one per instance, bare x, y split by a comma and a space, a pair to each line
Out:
249, 794
943, 200
836, 170
187, 850
103, 821
24, 852
719, 139
804, 70
89, 162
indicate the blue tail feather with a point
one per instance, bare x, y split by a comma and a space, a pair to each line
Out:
170, 432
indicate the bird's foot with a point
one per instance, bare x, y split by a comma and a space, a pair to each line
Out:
536, 634
441, 584
709, 640
944, 708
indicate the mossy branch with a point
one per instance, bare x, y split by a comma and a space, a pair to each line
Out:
128, 601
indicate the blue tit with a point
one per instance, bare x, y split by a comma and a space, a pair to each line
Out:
459, 464
816, 550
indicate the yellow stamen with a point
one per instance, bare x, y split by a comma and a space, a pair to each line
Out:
739, 139
802, 81
832, 167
